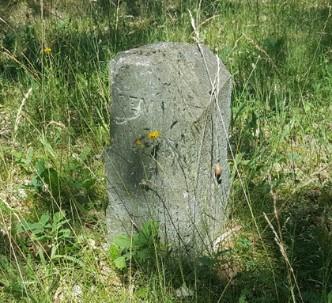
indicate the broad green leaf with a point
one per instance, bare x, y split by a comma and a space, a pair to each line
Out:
40, 167
114, 252
44, 219
120, 262
122, 241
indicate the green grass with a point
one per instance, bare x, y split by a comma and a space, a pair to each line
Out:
54, 124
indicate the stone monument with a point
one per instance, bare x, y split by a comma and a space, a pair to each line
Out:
170, 113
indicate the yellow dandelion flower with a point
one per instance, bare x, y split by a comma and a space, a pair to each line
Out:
153, 134
47, 50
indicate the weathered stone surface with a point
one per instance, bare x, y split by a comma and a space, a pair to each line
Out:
170, 114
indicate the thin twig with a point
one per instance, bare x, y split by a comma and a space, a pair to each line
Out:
215, 95
280, 241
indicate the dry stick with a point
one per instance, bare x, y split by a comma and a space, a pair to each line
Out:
19, 112
206, 118
284, 254
221, 118
280, 242
4, 21
246, 195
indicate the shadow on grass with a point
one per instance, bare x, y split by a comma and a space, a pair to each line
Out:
308, 236
255, 271
284, 59
304, 229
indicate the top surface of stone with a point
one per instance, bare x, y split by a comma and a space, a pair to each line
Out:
182, 76
152, 53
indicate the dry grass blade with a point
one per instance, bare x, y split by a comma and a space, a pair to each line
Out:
283, 252
20, 111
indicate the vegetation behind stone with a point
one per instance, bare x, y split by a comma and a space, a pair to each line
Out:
54, 127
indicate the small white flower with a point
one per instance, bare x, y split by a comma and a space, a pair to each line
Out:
77, 292
105, 246
184, 291
21, 194
92, 244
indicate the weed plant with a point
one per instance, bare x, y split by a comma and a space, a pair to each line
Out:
54, 122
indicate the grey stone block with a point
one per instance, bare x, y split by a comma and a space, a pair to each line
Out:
170, 114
